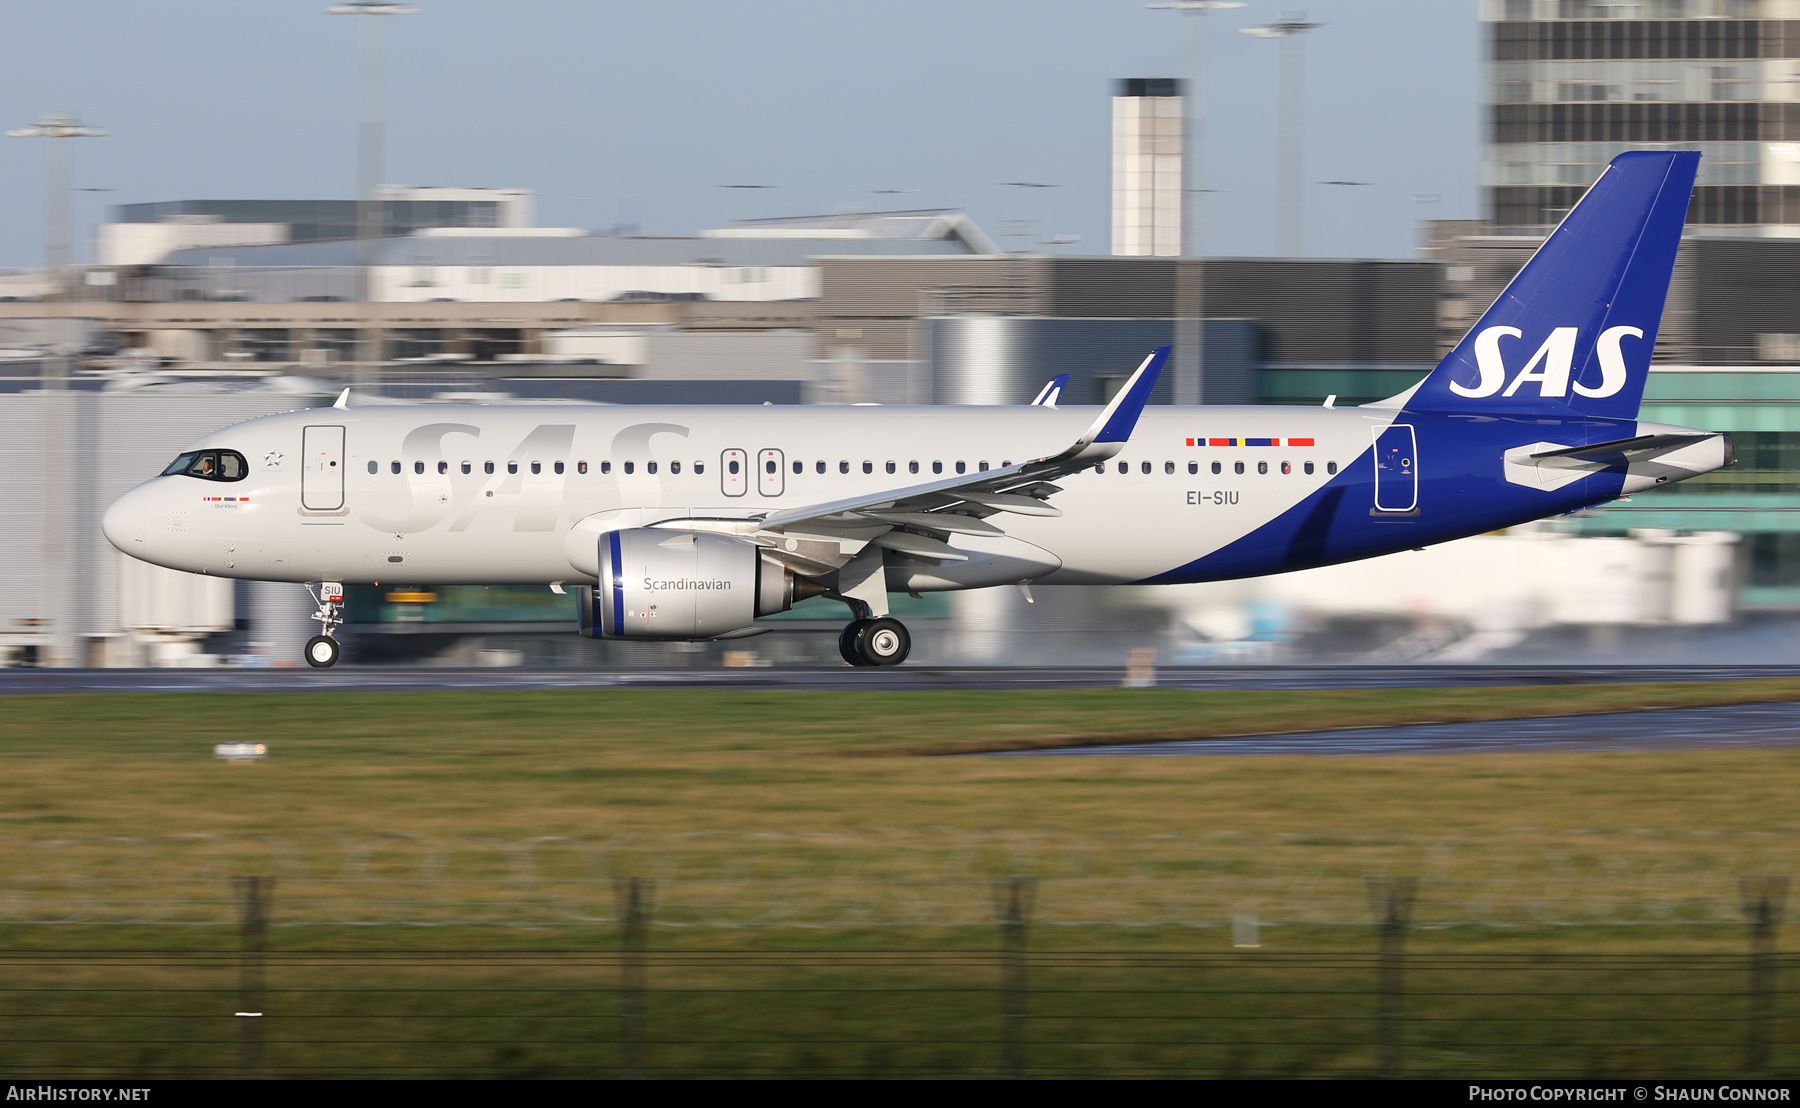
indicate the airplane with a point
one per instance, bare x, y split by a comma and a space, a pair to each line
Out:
690, 522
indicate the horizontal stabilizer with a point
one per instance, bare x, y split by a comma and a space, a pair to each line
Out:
1619, 451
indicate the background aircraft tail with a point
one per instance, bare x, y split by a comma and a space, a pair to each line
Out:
1573, 333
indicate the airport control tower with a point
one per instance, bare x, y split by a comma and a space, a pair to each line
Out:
1147, 155
1573, 82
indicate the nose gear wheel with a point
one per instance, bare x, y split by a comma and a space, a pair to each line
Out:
322, 650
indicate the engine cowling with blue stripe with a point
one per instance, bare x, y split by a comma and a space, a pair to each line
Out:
683, 585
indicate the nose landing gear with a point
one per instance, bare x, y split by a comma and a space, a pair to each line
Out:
874, 642
322, 649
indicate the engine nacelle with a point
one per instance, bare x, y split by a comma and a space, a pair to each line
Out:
662, 584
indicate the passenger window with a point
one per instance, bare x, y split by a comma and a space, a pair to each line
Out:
799, 466
868, 467
629, 466
732, 466
394, 467
1237, 467
418, 467
1216, 467
960, 467
699, 467
1330, 467
512, 467
912, 467
1193, 467
1145, 469
486, 467
374, 467
1168, 467
538, 467
580, 467
674, 467
843, 467
769, 466
1099, 467
983, 467
937, 467
649, 467
558, 467
890, 467
1262, 467
466, 467
443, 467
1286, 469
819, 467
1309, 469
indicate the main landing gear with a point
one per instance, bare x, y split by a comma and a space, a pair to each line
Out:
874, 642
322, 649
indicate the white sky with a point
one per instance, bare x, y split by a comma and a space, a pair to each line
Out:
640, 111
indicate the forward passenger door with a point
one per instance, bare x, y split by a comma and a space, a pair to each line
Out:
322, 469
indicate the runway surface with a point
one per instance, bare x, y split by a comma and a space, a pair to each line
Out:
396, 679
1722, 728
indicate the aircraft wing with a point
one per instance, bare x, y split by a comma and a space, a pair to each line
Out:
915, 519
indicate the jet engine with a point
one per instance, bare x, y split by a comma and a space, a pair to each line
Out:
660, 584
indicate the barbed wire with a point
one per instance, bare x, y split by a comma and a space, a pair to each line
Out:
896, 878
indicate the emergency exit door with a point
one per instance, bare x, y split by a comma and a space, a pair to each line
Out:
770, 481
322, 469
1396, 469
733, 473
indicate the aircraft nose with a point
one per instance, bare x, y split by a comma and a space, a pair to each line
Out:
123, 523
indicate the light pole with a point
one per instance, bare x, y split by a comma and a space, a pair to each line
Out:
1420, 230
1343, 215
58, 552
369, 142
1031, 225
1190, 284
1291, 128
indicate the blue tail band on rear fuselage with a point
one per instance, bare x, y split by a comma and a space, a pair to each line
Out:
1562, 355
1573, 332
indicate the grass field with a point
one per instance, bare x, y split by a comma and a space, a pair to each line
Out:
805, 802
585, 763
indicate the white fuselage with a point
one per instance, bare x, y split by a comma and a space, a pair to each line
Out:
497, 495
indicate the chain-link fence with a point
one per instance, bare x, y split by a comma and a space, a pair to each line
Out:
1009, 1010
899, 878
639, 955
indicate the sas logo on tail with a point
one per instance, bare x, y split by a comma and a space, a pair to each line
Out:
1550, 367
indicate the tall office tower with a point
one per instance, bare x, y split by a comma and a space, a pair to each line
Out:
1146, 206
1573, 82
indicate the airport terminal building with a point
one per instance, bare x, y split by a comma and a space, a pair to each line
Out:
200, 312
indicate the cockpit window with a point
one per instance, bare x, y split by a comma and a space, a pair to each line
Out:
210, 465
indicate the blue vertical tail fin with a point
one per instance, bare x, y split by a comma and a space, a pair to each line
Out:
1573, 333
